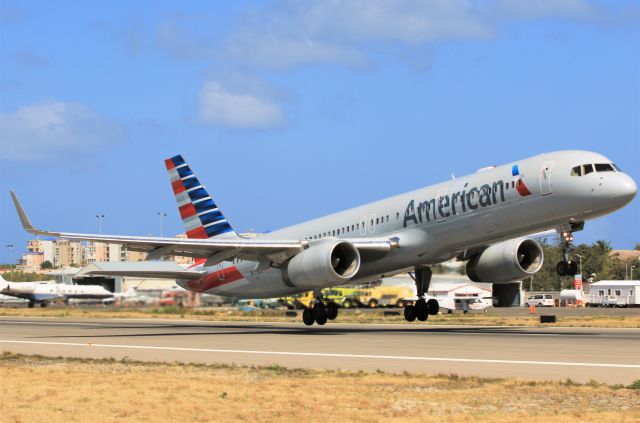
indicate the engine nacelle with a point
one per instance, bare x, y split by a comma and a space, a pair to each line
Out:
328, 262
506, 261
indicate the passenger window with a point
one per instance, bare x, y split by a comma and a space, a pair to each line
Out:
387, 218
604, 167
353, 227
513, 184
334, 232
576, 171
358, 226
397, 215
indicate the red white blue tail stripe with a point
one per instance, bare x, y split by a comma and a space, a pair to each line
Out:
200, 215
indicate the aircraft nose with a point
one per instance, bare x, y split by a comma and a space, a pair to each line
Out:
624, 188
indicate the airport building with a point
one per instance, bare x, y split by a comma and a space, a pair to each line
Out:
65, 254
456, 285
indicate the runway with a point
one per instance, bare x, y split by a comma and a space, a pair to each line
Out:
581, 354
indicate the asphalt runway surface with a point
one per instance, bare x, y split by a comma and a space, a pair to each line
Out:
581, 354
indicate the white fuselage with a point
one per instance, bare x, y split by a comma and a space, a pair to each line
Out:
49, 290
442, 221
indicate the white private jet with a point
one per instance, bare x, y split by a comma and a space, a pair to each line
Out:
484, 218
43, 292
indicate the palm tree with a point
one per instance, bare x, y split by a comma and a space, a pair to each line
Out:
602, 246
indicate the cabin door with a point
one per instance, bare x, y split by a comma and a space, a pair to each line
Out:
545, 178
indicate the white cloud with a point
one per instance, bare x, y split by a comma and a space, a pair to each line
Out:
222, 107
348, 32
299, 33
53, 130
539, 9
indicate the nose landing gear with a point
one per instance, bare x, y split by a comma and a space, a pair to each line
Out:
566, 267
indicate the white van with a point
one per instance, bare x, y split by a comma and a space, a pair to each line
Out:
540, 300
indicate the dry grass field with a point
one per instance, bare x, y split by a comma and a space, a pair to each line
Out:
590, 319
38, 389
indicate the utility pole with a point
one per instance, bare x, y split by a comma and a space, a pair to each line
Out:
100, 217
580, 257
10, 247
162, 215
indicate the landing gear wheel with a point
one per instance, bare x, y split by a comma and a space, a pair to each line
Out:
31, 304
320, 313
307, 316
562, 268
332, 310
422, 310
433, 307
321, 318
43, 304
410, 313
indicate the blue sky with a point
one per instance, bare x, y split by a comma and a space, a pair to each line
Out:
291, 110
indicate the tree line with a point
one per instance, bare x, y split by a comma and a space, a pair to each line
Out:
598, 263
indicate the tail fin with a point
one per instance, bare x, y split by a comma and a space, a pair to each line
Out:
3, 283
200, 215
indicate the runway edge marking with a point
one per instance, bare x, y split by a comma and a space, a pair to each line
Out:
336, 355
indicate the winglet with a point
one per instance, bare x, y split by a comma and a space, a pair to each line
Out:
26, 223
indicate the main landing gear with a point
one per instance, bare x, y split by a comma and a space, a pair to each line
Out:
320, 312
423, 307
566, 267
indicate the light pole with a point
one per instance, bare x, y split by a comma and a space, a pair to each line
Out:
100, 217
580, 257
10, 247
161, 215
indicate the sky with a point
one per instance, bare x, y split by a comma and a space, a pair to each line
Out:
288, 110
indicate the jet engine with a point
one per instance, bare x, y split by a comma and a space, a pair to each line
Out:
506, 261
328, 262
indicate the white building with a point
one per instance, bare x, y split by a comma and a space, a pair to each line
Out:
615, 294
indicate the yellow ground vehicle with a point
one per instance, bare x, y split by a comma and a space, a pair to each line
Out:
337, 295
386, 296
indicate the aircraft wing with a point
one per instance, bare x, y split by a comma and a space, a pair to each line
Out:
215, 250
141, 269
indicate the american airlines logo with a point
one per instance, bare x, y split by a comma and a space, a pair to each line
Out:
460, 202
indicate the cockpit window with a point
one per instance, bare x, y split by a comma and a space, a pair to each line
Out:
604, 167
616, 167
588, 168
576, 171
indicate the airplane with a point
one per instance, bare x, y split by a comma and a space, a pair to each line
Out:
131, 296
465, 304
484, 218
43, 292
